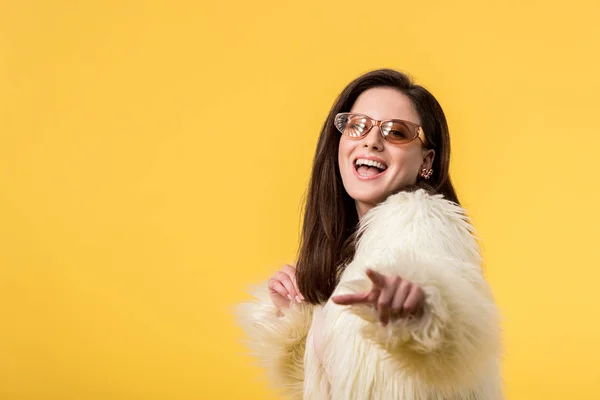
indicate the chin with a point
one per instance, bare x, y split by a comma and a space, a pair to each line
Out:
368, 198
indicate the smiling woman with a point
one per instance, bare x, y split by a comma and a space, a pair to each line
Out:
387, 299
364, 142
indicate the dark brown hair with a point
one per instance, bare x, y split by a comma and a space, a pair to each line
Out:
328, 236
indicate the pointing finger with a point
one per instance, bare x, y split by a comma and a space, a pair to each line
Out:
354, 298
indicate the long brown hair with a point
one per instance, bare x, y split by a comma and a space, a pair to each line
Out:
328, 235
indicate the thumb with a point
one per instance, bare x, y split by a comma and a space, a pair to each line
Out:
377, 278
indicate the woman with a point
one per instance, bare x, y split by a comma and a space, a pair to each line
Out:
387, 299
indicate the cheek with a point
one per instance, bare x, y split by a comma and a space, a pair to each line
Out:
344, 150
407, 162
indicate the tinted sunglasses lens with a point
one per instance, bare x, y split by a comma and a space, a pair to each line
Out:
398, 132
352, 125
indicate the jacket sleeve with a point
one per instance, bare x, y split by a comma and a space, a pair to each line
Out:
276, 338
458, 334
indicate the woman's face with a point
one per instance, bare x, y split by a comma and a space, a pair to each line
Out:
367, 186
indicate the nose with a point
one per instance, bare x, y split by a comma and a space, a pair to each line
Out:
374, 138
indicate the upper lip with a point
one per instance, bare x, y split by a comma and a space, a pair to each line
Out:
368, 157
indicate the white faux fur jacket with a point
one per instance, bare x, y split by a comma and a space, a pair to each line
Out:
452, 352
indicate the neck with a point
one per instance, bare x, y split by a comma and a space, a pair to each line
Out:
362, 208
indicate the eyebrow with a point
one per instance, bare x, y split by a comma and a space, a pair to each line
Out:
385, 119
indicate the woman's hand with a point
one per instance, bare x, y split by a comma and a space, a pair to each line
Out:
283, 288
393, 297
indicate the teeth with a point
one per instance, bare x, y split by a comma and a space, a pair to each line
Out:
371, 163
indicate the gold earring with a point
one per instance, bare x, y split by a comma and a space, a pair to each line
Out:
426, 173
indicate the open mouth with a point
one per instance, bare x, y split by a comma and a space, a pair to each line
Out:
367, 169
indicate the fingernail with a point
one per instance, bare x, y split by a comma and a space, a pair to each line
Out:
290, 297
298, 299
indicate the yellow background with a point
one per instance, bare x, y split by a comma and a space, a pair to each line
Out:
153, 156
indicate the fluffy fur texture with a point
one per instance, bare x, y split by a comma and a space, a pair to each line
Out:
452, 352
277, 338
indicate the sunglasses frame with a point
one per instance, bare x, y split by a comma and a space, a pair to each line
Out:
418, 128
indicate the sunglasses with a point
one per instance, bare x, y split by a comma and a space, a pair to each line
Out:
394, 131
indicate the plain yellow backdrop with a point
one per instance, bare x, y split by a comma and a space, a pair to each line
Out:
153, 157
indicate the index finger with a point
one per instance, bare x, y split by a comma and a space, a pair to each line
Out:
353, 298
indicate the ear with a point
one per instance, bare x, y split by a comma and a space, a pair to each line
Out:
428, 156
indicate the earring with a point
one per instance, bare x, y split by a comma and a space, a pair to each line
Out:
426, 173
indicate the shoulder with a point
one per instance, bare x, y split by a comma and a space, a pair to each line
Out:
414, 206
422, 219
